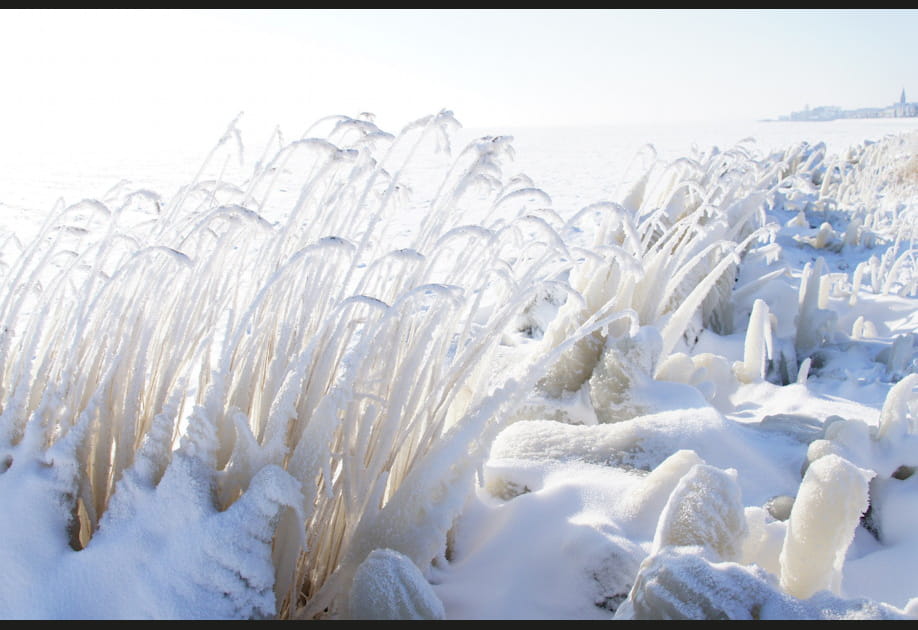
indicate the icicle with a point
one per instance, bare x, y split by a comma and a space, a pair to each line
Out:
857, 328
875, 281
804, 371
894, 421
825, 284
823, 236
852, 232
799, 220
856, 282
813, 324
758, 342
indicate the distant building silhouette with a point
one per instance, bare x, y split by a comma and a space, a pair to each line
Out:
901, 109
904, 109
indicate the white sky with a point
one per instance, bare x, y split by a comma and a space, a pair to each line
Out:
163, 75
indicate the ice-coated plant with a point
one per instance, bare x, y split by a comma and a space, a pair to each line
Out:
268, 325
828, 508
668, 254
758, 348
286, 371
387, 585
706, 510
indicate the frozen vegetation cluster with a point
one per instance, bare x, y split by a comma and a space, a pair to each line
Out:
289, 396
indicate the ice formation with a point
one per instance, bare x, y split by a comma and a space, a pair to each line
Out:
828, 508
704, 510
387, 585
273, 399
680, 583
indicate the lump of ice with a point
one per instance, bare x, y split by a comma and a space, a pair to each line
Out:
643, 443
626, 363
681, 583
719, 382
646, 503
388, 585
710, 374
884, 449
894, 417
706, 510
827, 510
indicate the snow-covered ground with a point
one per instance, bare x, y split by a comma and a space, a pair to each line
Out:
563, 376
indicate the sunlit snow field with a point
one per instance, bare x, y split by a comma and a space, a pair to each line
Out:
567, 373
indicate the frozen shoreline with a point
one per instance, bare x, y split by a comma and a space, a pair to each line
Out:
803, 358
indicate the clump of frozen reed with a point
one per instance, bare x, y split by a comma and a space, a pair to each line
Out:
666, 257
861, 205
271, 324
289, 362
862, 200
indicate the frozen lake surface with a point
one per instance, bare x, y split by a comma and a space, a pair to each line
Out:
575, 165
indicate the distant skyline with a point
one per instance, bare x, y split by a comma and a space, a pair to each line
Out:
160, 75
